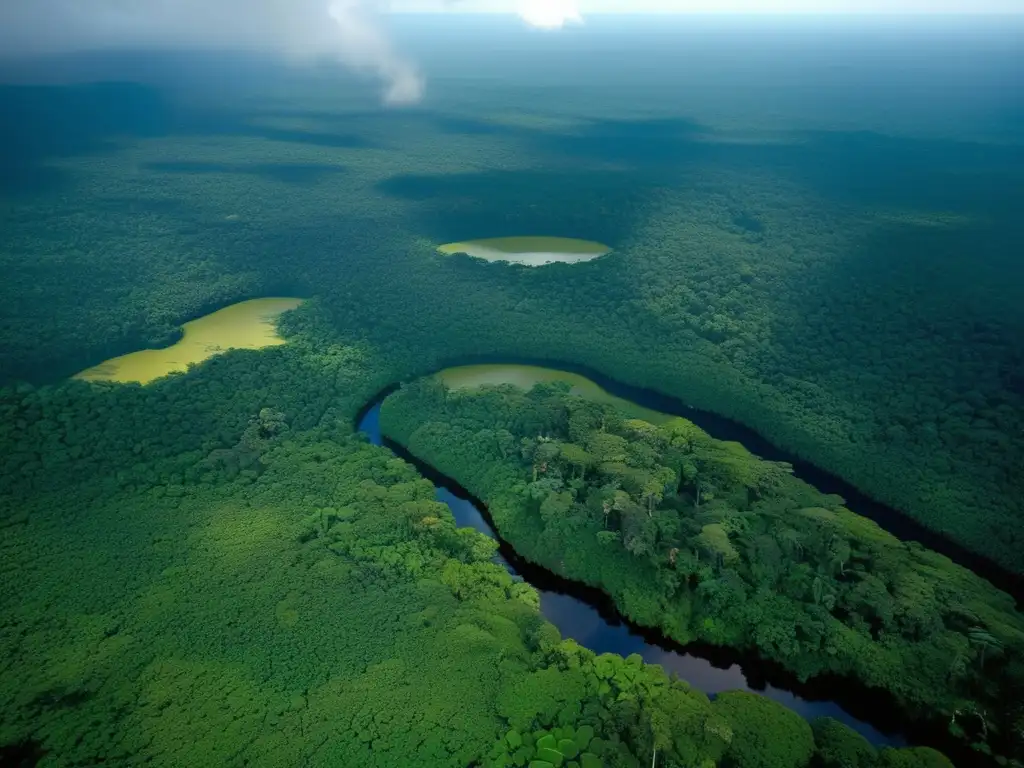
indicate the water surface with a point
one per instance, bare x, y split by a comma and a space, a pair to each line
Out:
525, 376
246, 325
530, 251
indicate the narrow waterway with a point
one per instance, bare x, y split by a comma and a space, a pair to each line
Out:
587, 616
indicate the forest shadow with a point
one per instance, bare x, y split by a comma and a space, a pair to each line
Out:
23, 754
176, 208
313, 138
874, 169
649, 142
848, 167
966, 275
945, 224
591, 204
858, 169
472, 126
43, 123
288, 173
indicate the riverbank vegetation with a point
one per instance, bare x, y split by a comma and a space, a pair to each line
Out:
704, 541
255, 584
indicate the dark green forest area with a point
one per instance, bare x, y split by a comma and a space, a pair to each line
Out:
214, 564
702, 540
852, 296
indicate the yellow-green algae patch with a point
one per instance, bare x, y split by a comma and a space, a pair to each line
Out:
246, 325
530, 251
525, 376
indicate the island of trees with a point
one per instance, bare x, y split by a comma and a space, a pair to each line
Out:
702, 540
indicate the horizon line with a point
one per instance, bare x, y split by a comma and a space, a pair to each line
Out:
723, 14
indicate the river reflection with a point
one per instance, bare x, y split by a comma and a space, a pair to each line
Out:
603, 631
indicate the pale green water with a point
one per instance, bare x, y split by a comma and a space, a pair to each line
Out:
530, 251
246, 325
525, 376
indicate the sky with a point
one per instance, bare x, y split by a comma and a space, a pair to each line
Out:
584, 7
354, 32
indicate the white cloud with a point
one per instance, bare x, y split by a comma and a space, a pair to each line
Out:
352, 31
349, 31
549, 14
363, 45
587, 7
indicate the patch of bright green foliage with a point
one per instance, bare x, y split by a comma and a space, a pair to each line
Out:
544, 749
704, 541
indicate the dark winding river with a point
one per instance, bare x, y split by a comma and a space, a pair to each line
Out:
587, 615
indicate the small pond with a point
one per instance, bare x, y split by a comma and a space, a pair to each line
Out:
529, 251
245, 325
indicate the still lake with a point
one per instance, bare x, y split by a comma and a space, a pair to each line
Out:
246, 325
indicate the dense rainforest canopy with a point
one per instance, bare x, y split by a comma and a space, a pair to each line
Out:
701, 539
246, 561
214, 565
842, 322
